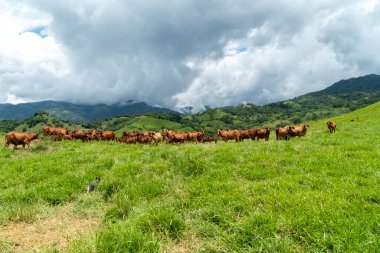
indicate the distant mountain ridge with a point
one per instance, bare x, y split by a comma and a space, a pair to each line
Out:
364, 83
75, 112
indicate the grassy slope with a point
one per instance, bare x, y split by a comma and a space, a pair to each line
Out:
317, 193
146, 123
34, 124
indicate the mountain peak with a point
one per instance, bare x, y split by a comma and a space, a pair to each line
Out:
363, 83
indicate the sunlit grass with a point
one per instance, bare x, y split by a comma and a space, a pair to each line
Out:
317, 193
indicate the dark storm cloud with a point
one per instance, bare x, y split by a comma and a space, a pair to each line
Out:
137, 50
180, 53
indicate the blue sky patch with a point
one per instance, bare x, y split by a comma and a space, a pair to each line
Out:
241, 49
39, 30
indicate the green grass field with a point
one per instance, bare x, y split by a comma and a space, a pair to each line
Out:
319, 193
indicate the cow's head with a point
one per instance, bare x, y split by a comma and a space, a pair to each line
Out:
290, 129
34, 136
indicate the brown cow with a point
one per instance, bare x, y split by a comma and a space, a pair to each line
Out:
192, 136
331, 125
107, 135
248, 134
157, 137
93, 135
19, 139
48, 130
79, 134
130, 134
209, 139
131, 140
56, 137
226, 135
196, 136
171, 136
62, 130
167, 133
201, 134
283, 133
299, 130
176, 137
145, 139
263, 133
245, 134
67, 137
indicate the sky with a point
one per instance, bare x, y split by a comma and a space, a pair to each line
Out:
183, 53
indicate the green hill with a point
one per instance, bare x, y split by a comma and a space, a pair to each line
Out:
318, 193
141, 122
35, 123
364, 84
340, 98
75, 112
118, 124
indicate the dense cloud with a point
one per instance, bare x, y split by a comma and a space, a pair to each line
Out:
182, 53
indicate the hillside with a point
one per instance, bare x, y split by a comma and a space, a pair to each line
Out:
340, 98
147, 122
364, 84
318, 193
35, 123
75, 112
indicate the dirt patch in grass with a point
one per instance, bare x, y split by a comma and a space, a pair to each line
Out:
189, 243
56, 231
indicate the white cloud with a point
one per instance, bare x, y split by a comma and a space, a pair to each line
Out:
28, 63
177, 54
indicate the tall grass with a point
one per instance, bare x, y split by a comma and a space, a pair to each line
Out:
310, 194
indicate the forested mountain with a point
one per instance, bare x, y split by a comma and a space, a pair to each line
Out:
340, 98
364, 83
75, 112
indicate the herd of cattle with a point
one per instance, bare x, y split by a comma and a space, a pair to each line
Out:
61, 133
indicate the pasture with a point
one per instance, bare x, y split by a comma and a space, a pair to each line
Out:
310, 194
